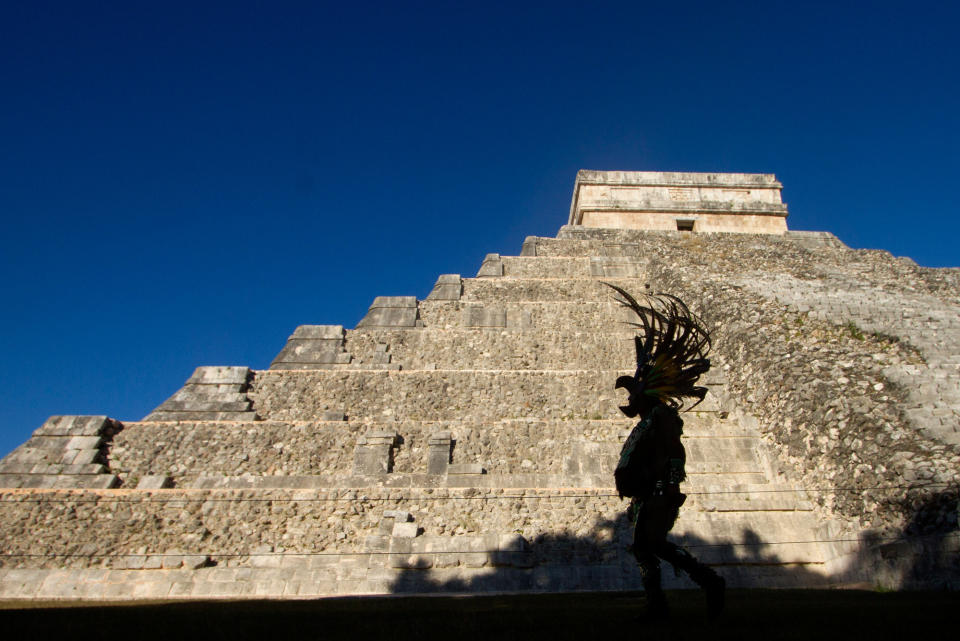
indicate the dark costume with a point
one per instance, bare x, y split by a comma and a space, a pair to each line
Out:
671, 356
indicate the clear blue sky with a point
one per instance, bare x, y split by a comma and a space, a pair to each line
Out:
183, 183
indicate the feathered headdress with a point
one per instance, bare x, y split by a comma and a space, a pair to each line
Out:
671, 352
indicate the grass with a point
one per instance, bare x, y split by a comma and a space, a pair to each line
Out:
855, 331
751, 614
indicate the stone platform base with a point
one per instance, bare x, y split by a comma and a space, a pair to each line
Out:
314, 577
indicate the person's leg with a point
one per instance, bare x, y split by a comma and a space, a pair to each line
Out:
712, 583
643, 551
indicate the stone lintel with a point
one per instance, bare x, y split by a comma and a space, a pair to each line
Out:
678, 179
378, 438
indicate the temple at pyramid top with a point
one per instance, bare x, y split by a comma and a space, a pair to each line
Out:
684, 201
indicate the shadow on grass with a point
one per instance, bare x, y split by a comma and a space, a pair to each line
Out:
752, 614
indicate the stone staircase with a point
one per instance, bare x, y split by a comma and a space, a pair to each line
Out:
65, 452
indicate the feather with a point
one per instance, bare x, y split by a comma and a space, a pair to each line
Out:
671, 351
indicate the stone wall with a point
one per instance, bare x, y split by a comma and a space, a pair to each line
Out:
185, 451
435, 395
493, 348
236, 528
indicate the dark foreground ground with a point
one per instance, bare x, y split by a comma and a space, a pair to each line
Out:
750, 614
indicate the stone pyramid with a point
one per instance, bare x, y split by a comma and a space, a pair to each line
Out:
466, 442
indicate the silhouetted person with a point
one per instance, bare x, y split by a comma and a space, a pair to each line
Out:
671, 356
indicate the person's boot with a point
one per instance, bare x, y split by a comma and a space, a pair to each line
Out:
715, 588
657, 609
712, 583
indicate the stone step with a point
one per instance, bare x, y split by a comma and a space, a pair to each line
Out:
712, 450
759, 502
211, 393
573, 267
7, 467
509, 290
546, 247
72, 425
547, 267
423, 481
312, 576
64, 481
485, 395
198, 415
205, 405
487, 348
544, 317
188, 449
755, 537
753, 490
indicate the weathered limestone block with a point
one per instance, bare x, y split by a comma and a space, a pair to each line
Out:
465, 468
313, 347
438, 459
381, 355
512, 550
448, 287
405, 530
219, 375
492, 266
73, 426
617, 267
814, 239
481, 316
391, 311
374, 453
529, 247
155, 482
587, 458
519, 319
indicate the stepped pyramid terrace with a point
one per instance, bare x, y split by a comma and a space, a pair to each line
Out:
466, 442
